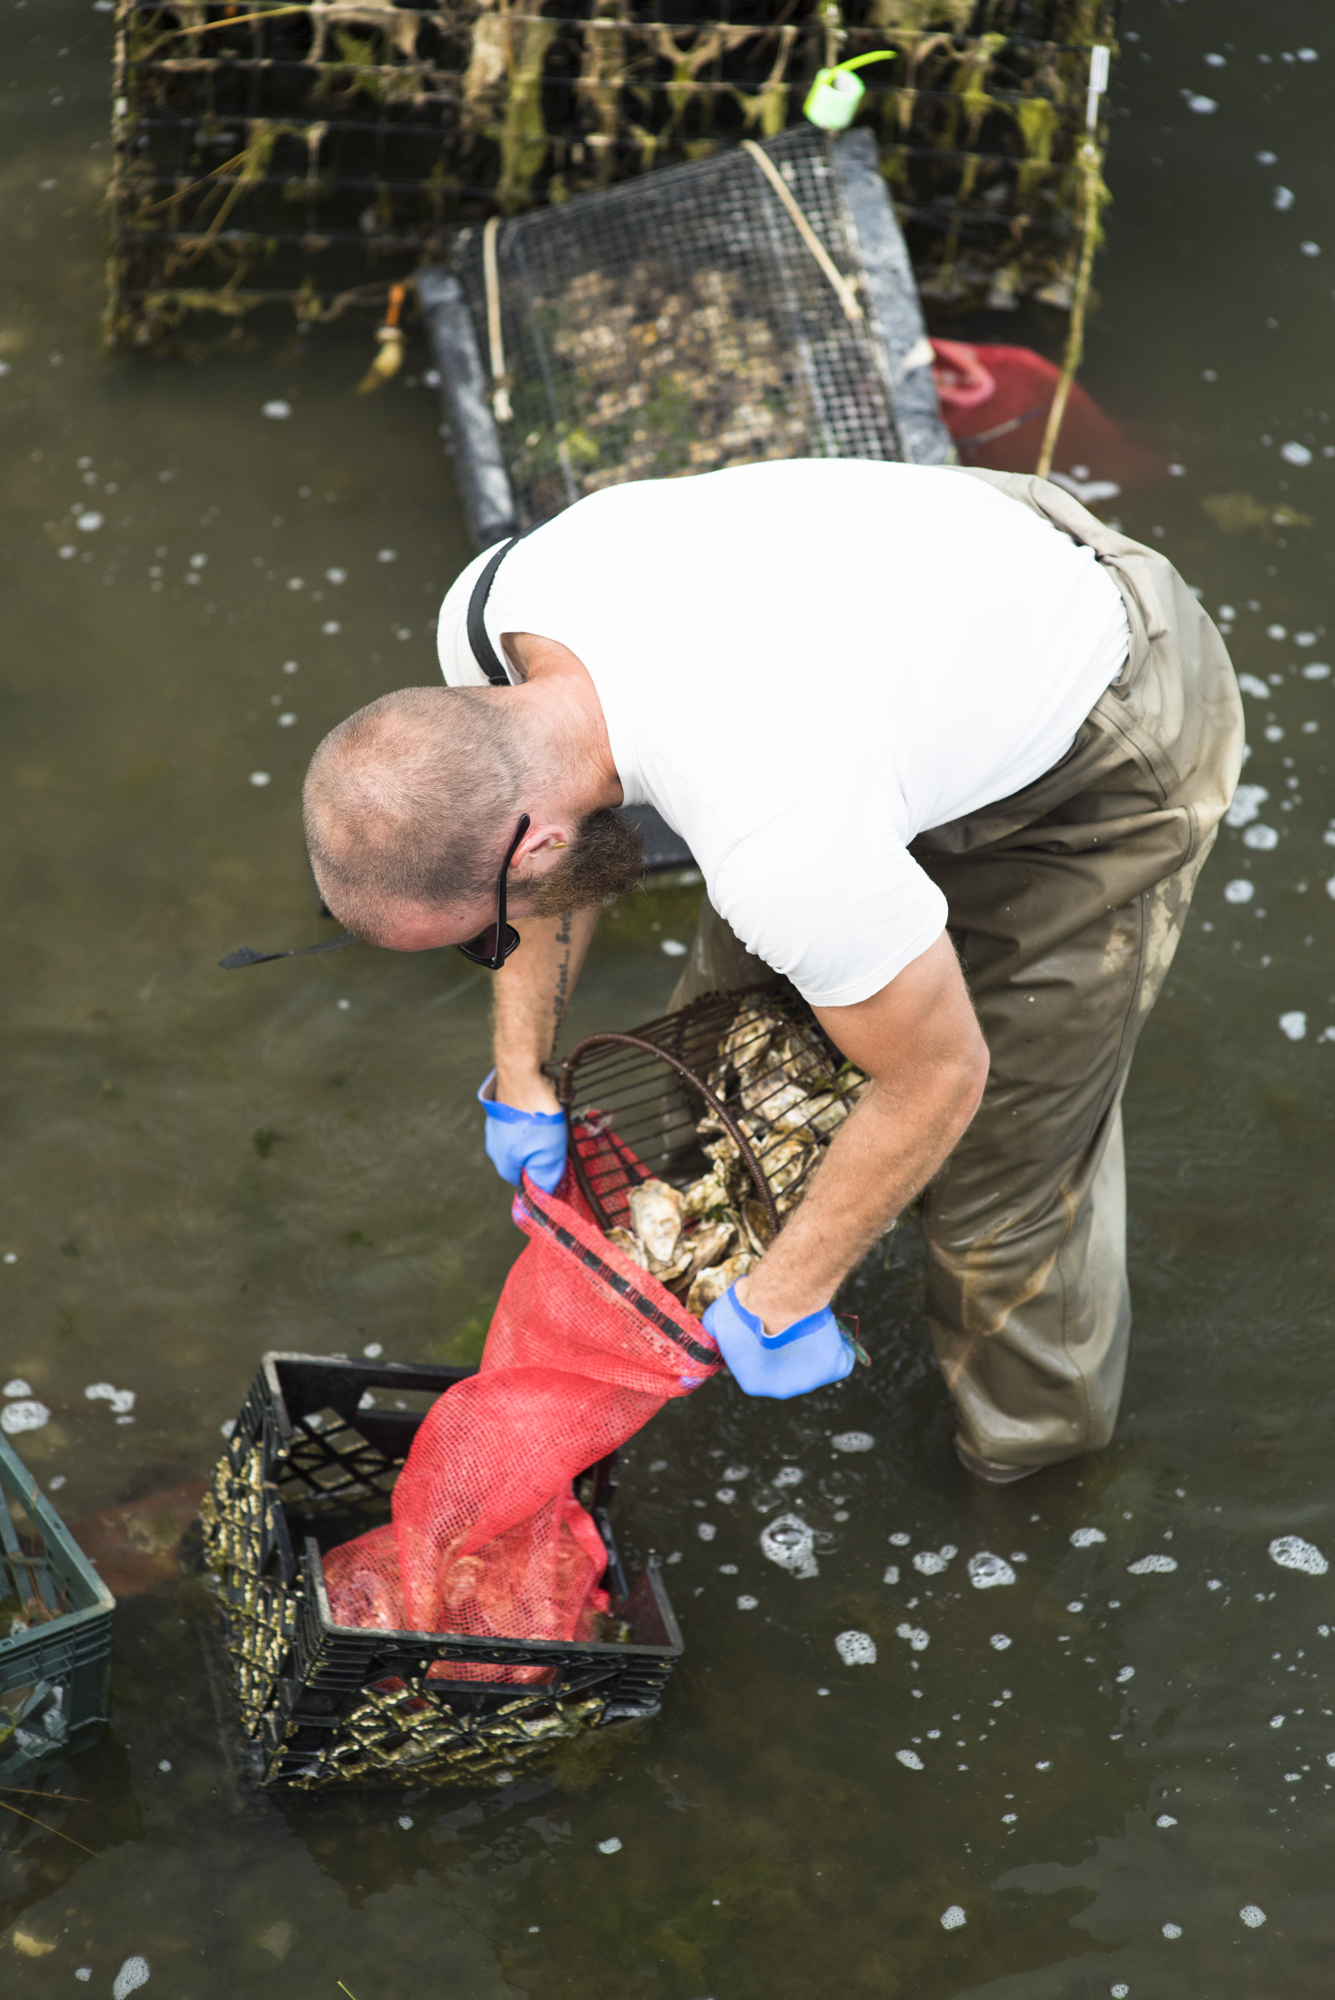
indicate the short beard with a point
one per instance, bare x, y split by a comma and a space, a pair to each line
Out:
604, 862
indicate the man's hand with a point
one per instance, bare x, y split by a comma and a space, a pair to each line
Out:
919, 1041
803, 1357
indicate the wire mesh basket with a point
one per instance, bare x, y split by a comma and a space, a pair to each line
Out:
697, 1134
678, 324
55, 1630
312, 153
313, 1460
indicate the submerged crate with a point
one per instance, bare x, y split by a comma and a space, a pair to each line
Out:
311, 1463
307, 154
55, 1630
691, 320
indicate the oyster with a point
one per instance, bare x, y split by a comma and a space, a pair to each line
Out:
709, 1192
713, 1283
630, 1246
759, 1228
710, 1241
657, 1212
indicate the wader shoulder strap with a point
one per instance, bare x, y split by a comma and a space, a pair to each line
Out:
482, 649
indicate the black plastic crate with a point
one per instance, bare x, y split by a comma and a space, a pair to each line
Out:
311, 1463
55, 1638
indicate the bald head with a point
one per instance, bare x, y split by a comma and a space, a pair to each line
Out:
414, 799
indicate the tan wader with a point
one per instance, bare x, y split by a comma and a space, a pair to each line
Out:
1066, 903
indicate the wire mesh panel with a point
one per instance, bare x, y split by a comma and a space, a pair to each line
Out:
310, 153
695, 1135
678, 324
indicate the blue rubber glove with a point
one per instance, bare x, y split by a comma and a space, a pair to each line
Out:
518, 1142
806, 1355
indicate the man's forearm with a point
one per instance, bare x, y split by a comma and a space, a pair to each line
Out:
881, 1157
530, 996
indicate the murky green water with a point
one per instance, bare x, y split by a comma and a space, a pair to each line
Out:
199, 1166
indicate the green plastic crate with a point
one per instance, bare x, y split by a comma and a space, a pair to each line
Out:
55, 1675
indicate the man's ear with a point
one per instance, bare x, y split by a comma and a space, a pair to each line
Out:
541, 841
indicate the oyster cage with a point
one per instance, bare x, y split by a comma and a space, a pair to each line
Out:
729, 1105
55, 1630
312, 1462
682, 323
309, 155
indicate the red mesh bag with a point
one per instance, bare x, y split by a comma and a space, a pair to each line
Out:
487, 1537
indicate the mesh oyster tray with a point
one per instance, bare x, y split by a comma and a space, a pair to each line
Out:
313, 1460
755, 305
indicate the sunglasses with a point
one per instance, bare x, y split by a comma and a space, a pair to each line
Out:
493, 946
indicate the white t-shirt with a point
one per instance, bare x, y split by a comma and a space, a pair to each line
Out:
804, 664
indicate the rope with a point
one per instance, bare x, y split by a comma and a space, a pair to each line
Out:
1091, 161
500, 390
843, 290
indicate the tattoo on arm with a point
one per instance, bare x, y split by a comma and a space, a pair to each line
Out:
562, 993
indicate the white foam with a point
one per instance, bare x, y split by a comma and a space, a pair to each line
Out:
1247, 803
901, 1540
747, 1603
18, 1387
1239, 890
1294, 1025
1203, 106
1126, 1673
931, 1562
999, 1642
953, 1919
1250, 684
856, 1649
1292, 1552
1294, 453
121, 1400
1165, 1819
988, 1572
28, 1415
788, 1475
915, 1635
1277, 1722
853, 1441
1261, 837
788, 1541
1252, 1915
277, 409
1152, 1566
88, 523
612, 1846
1316, 670
259, 778
706, 1530
673, 948
1085, 1538
910, 1760
1172, 1930
132, 1975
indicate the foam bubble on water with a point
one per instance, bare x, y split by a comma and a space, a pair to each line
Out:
788, 1541
915, 1635
28, 1415
84, 1972
612, 1846
373, 1350
331, 628
931, 1562
386, 555
726, 1495
1316, 670
730, 1472
277, 409
856, 1649
1165, 1819
1294, 1025
1261, 838
1247, 803
891, 1574
1120, 1991
1203, 106
132, 1975
999, 1642
747, 1603
853, 1441
1277, 1722
121, 1400
953, 1918
988, 1572
901, 1540
259, 778
1085, 1538
1044, 1765
1250, 684
1126, 1673
706, 1530
1292, 1552
1240, 890
227, 1427
1294, 453
18, 1387
910, 1760
788, 1475
1152, 1566
1252, 1915
1293, 1777
1076, 1606
1172, 1930
674, 948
